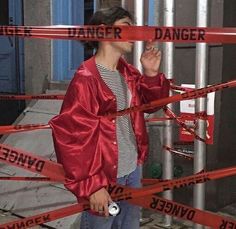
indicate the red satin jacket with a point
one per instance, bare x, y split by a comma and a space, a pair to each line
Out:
85, 140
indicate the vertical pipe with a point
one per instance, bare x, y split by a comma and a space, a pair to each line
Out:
168, 69
200, 106
138, 45
123, 3
96, 4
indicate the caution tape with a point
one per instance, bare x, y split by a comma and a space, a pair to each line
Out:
119, 193
158, 119
171, 114
29, 97
45, 217
179, 88
149, 181
197, 93
20, 128
179, 153
50, 179
152, 202
184, 212
43, 179
53, 170
31, 162
124, 33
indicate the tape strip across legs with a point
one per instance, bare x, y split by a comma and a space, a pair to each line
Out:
119, 192
152, 202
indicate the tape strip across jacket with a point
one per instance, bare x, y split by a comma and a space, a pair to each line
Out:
142, 197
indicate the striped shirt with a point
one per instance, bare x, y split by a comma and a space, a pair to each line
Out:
127, 146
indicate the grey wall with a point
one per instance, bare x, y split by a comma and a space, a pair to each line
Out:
37, 51
226, 191
220, 65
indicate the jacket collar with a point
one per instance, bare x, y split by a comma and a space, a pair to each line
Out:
91, 65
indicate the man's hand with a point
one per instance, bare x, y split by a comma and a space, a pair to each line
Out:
151, 59
99, 201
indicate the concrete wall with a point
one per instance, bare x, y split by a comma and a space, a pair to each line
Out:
37, 52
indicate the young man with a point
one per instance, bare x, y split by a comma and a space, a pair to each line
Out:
94, 149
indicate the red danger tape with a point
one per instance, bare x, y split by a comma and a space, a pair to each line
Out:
179, 88
182, 124
171, 184
20, 128
49, 179
28, 97
197, 93
184, 212
33, 163
179, 153
55, 171
45, 217
152, 202
43, 179
158, 119
122, 193
124, 33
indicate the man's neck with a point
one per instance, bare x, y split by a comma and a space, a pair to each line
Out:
107, 58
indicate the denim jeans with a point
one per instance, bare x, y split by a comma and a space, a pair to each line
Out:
129, 216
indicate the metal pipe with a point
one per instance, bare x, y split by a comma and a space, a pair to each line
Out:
123, 3
200, 106
168, 69
96, 4
138, 45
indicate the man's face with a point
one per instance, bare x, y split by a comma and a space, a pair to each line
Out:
123, 47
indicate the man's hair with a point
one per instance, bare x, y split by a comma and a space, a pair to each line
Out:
108, 16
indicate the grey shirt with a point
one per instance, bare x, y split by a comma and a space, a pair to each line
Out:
127, 146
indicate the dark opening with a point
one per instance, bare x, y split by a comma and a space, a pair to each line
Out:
4, 12
88, 12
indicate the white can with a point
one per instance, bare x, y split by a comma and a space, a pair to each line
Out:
113, 209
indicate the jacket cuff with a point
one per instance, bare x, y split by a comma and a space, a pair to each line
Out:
84, 188
153, 79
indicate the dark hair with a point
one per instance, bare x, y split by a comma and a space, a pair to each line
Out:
108, 16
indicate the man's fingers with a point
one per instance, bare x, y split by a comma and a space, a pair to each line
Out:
150, 45
157, 53
148, 48
92, 206
109, 199
100, 209
106, 211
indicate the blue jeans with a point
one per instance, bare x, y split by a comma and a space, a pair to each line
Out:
129, 215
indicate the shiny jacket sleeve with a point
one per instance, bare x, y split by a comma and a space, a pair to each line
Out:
75, 133
151, 88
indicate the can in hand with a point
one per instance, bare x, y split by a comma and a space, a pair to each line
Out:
113, 209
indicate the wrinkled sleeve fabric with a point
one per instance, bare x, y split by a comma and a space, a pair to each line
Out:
153, 88
76, 133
